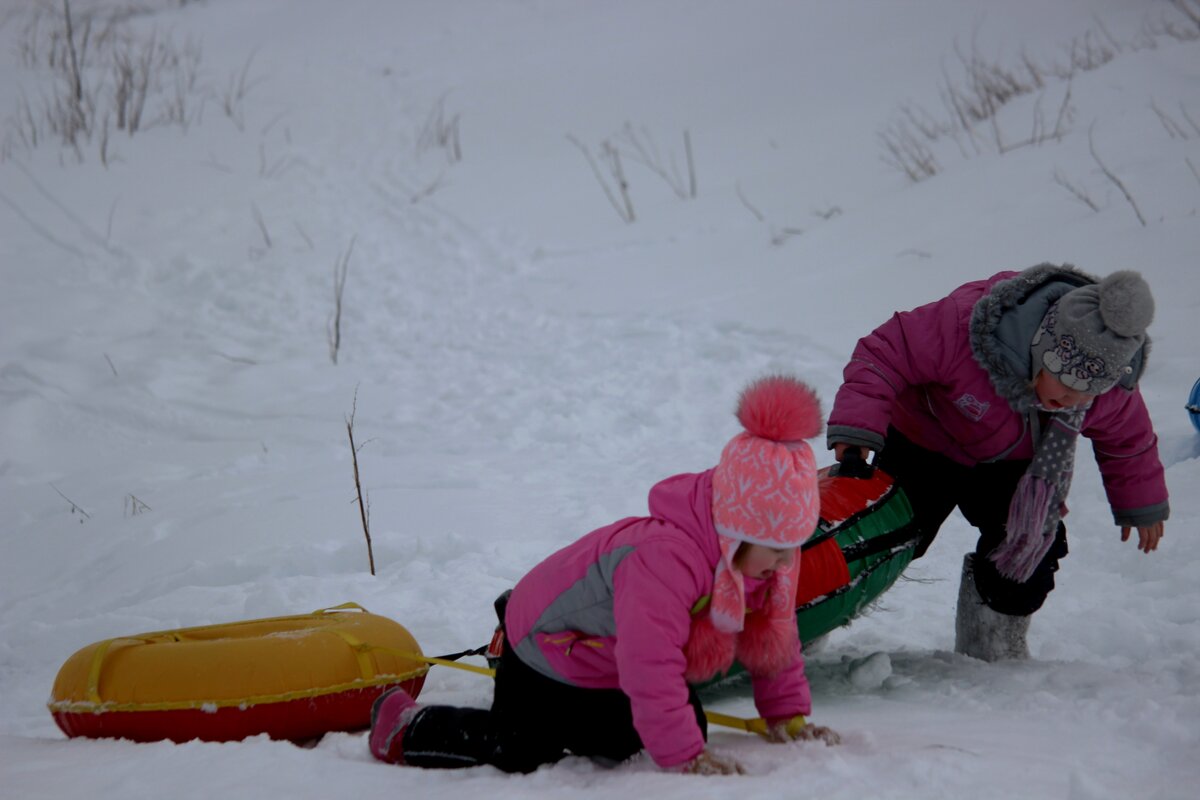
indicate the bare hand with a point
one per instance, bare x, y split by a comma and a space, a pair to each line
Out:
709, 764
1148, 536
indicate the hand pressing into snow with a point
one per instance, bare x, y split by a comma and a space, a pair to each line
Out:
818, 733
798, 729
709, 764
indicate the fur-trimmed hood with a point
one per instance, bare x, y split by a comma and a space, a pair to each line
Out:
955, 377
1004, 321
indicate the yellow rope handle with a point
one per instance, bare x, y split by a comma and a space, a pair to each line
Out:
755, 725
491, 673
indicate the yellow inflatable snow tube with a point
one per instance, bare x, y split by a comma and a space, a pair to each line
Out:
292, 678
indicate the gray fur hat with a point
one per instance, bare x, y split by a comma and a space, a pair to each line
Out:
1089, 337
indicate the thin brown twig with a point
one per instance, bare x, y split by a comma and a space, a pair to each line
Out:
262, 224
1064, 113
362, 504
1186, 9
74, 506
691, 163
746, 202
340, 270
1075, 191
613, 156
1183, 110
1192, 167
1173, 128
1112, 177
626, 212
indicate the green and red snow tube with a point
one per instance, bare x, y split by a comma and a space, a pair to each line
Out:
864, 540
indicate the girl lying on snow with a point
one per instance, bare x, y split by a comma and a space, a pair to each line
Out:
607, 638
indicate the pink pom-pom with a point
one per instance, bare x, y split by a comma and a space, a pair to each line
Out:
780, 408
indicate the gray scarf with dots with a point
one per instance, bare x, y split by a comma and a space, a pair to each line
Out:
1040, 500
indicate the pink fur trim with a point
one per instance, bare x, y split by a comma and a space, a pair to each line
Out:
767, 645
780, 408
764, 647
708, 650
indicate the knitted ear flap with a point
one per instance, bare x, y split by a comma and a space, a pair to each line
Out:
727, 609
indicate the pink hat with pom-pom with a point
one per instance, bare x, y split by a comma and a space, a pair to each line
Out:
765, 489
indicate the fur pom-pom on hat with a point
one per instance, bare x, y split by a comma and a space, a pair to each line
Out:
1126, 306
780, 408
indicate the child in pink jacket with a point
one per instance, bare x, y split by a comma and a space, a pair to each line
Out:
606, 639
978, 400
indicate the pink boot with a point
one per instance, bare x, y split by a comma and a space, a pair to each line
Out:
390, 715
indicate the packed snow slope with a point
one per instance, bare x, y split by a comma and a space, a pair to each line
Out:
523, 361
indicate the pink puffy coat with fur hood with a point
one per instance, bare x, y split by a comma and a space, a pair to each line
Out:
614, 610
920, 373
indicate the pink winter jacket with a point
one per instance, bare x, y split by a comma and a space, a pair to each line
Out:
613, 610
921, 373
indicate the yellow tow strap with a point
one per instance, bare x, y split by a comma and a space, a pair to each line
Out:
754, 725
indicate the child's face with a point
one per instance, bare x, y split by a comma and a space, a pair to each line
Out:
1054, 395
759, 562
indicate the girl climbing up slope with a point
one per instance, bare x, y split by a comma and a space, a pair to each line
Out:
606, 639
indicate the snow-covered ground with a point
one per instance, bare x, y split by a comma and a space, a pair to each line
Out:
172, 428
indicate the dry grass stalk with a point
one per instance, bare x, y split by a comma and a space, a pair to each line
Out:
363, 505
1112, 177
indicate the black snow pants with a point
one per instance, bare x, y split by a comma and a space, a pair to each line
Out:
935, 485
533, 720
